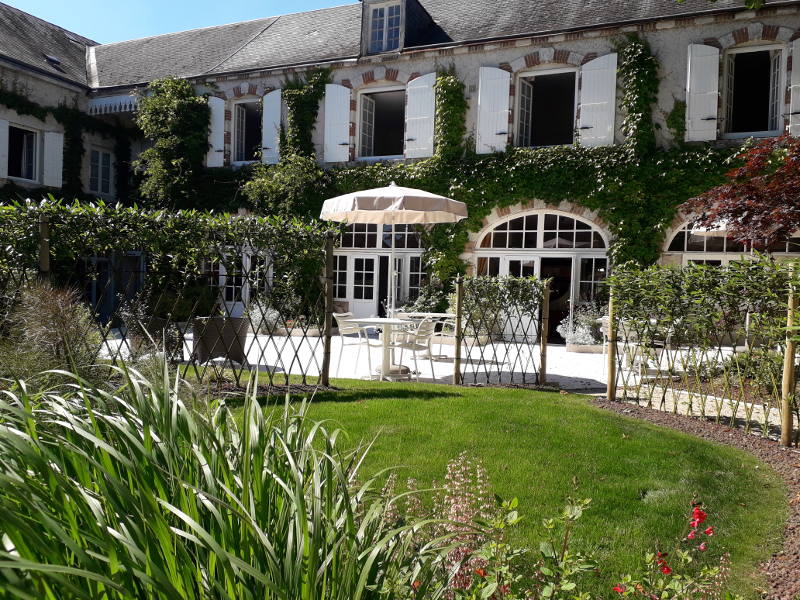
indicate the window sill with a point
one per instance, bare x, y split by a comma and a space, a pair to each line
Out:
751, 134
23, 180
373, 159
238, 164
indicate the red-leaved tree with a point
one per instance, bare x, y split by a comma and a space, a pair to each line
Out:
760, 203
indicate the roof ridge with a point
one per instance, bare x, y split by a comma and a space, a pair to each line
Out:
90, 41
244, 45
273, 18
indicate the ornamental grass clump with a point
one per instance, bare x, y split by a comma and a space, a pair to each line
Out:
132, 494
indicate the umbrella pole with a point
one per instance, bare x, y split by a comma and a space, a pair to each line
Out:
391, 278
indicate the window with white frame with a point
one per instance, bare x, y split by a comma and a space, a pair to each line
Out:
22, 155
686, 241
753, 84
365, 235
99, 171
591, 277
547, 108
384, 32
364, 278
383, 117
548, 230
340, 277
247, 131
416, 277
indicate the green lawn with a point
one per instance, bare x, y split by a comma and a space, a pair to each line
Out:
537, 446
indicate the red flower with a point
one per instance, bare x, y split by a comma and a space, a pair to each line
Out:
619, 589
480, 572
505, 589
691, 535
698, 514
694, 523
416, 584
709, 531
666, 570
660, 554
702, 547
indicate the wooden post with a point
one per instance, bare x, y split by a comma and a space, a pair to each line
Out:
544, 333
611, 384
458, 332
324, 376
787, 387
44, 247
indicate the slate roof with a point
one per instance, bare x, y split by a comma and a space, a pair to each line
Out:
27, 39
317, 36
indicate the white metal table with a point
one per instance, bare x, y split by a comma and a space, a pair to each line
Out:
387, 370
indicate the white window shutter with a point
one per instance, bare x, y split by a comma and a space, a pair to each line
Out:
3, 148
53, 159
794, 106
337, 123
493, 106
271, 127
598, 101
420, 114
216, 133
702, 93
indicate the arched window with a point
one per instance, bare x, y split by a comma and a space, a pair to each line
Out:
543, 231
714, 248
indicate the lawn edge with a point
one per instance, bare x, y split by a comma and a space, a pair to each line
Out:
780, 571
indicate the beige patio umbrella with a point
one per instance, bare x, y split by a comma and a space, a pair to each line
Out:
393, 205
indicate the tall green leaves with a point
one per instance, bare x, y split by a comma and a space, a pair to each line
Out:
133, 495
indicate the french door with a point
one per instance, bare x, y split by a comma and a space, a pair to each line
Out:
364, 290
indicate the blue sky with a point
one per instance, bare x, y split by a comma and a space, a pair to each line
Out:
112, 21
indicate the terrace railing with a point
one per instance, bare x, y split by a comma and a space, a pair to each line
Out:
708, 342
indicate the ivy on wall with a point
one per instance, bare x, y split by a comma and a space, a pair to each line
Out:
450, 126
302, 96
75, 123
634, 187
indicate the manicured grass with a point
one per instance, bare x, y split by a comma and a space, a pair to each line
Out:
541, 447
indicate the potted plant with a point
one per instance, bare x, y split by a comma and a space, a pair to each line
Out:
583, 331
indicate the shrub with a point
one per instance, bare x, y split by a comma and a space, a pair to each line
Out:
133, 494
583, 327
295, 185
49, 328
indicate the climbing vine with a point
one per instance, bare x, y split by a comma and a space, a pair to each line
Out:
637, 72
302, 96
451, 110
635, 187
176, 120
75, 123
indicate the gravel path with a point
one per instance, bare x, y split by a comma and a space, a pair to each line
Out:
783, 569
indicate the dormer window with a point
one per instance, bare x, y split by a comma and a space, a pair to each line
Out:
384, 28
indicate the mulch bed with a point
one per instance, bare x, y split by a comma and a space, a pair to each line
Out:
783, 569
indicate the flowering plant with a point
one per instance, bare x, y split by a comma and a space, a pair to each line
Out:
672, 576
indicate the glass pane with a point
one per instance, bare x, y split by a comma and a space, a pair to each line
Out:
486, 242
715, 243
517, 224
500, 240
551, 221
515, 268
528, 268
733, 246
583, 239
581, 225
678, 242
515, 240
794, 244
566, 223
695, 243
502, 227
566, 239
597, 241
494, 266
587, 267
531, 222
549, 240
530, 240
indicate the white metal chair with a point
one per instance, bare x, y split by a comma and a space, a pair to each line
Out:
353, 334
416, 338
